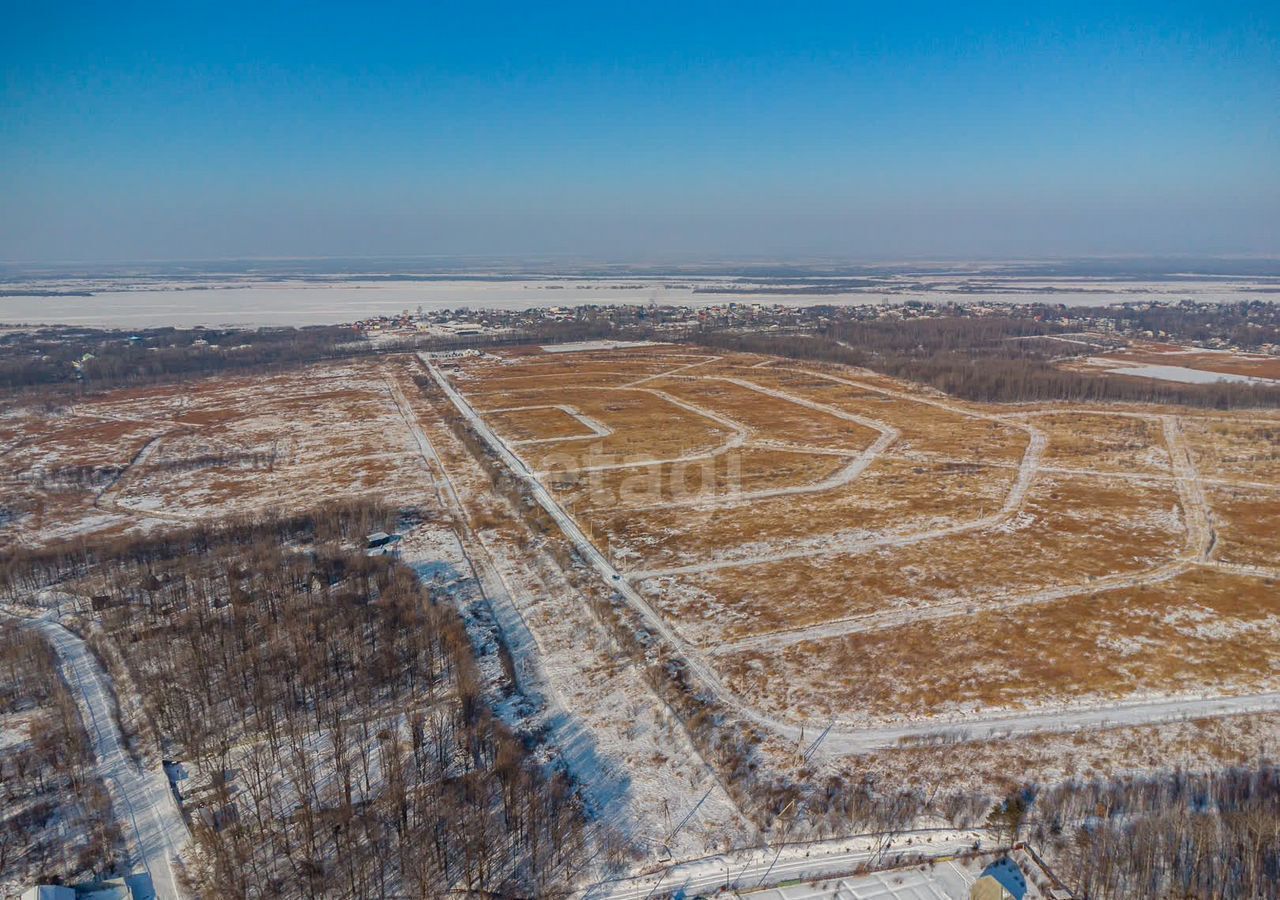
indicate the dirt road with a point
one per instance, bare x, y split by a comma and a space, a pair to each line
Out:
142, 801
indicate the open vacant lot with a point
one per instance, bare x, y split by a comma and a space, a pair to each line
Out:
836, 545
1153, 359
823, 541
1068, 532
1204, 631
127, 459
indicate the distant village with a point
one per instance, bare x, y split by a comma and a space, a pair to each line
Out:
1127, 320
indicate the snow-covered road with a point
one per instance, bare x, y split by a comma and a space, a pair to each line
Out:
587, 738
1115, 715
142, 800
760, 866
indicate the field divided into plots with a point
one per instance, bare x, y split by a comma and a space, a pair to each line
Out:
837, 544
137, 458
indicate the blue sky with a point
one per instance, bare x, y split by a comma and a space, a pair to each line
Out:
638, 131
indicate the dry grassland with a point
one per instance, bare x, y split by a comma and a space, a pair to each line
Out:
596, 495
616, 367
893, 493
1247, 523
928, 546
1236, 448
1001, 765
903, 487
1204, 631
645, 427
536, 422
1124, 444
215, 447
494, 392
48, 446
769, 418
925, 428
1070, 531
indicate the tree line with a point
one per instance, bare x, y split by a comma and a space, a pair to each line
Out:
90, 359
1176, 834
972, 359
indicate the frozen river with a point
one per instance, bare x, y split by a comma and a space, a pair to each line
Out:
288, 303
254, 301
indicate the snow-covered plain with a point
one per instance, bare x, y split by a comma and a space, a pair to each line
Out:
137, 302
328, 431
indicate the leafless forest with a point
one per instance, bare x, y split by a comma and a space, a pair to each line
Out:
331, 711
1177, 835
973, 359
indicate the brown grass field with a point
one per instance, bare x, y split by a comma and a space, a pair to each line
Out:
1224, 634
894, 493
1122, 444
957, 432
536, 423
927, 582
1247, 522
1069, 532
770, 418
830, 540
1236, 448
208, 449
598, 493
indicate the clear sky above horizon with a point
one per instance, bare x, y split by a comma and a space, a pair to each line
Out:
638, 132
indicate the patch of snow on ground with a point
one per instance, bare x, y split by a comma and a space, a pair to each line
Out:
1223, 629
1156, 457
14, 730
1187, 376
949, 880
1126, 646
1019, 522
